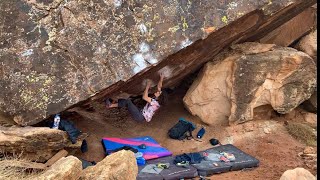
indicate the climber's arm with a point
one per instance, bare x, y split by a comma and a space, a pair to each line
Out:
146, 92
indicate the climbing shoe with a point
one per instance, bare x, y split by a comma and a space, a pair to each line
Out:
183, 164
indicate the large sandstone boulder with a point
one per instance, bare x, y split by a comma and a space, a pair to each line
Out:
311, 104
119, 165
33, 143
57, 53
311, 118
65, 168
248, 76
297, 174
308, 44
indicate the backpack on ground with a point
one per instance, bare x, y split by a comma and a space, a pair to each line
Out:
183, 129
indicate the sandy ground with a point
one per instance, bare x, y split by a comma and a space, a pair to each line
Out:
277, 151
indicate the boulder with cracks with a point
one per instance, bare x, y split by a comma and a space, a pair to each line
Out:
33, 143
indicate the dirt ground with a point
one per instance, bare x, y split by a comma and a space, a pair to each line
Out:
277, 151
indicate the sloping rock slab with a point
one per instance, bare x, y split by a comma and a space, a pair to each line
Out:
248, 76
57, 53
292, 30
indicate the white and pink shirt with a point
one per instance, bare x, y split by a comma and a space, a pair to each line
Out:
149, 109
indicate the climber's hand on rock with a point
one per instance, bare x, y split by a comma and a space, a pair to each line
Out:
148, 82
162, 75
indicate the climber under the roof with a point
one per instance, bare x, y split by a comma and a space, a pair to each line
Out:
157, 99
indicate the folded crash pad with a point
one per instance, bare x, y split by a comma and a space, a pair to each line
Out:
242, 160
173, 172
153, 149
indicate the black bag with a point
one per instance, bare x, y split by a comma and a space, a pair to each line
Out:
69, 127
179, 131
86, 163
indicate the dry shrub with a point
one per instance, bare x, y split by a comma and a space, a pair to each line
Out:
303, 133
9, 168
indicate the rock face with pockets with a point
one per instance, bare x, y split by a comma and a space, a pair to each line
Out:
248, 76
57, 53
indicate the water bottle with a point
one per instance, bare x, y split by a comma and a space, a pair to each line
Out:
56, 121
201, 133
138, 154
140, 159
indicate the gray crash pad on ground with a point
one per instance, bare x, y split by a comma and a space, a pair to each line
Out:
173, 172
243, 160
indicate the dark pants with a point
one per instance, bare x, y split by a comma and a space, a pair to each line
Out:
133, 109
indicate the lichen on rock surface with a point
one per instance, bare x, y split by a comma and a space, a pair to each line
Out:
57, 53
